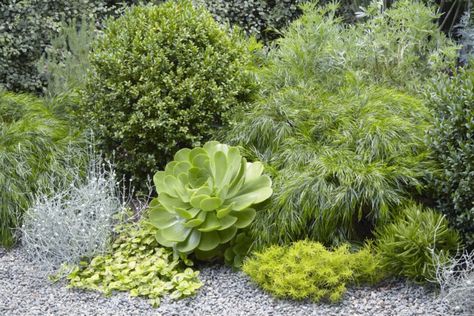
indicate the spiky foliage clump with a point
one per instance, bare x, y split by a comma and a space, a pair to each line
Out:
35, 145
416, 243
308, 270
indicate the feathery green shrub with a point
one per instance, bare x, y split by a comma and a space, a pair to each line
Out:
138, 265
35, 144
164, 78
308, 270
452, 141
344, 150
415, 243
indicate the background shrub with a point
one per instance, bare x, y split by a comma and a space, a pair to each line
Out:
163, 78
307, 270
415, 243
452, 141
345, 151
75, 221
27, 28
35, 146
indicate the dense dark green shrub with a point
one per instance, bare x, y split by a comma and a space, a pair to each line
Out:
345, 151
163, 78
452, 140
415, 243
34, 145
308, 270
26, 28
266, 19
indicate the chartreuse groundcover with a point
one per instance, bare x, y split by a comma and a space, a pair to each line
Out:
204, 197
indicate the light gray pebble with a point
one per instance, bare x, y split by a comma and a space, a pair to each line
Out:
25, 292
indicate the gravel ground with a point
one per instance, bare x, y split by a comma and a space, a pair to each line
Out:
24, 292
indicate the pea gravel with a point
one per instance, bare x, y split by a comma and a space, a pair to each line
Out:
23, 291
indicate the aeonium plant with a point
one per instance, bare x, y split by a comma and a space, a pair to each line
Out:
205, 196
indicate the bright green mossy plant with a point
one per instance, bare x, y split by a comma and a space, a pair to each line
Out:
204, 196
139, 265
415, 243
308, 270
164, 78
36, 146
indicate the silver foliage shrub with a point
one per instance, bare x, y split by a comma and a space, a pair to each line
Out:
74, 222
456, 282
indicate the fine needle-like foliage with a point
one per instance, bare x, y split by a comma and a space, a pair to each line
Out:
345, 151
35, 145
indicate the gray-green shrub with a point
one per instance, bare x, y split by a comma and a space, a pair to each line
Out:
164, 78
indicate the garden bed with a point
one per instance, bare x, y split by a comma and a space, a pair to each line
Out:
23, 291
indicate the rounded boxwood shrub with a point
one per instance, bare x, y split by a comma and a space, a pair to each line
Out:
163, 78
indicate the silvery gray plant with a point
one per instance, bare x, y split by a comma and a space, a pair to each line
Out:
74, 221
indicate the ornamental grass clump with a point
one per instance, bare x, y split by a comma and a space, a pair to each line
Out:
137, 264
205, 195
164, 78
308, 270
36, 145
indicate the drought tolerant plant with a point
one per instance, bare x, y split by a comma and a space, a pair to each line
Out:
75, 221
456, 281
308, 270
36, 145
345, 150
409, 245
452, 141
139, 265
238, 249
164, 78
204, 196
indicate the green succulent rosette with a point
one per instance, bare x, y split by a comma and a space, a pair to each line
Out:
204, 196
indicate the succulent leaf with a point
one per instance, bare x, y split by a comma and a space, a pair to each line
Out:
204, 197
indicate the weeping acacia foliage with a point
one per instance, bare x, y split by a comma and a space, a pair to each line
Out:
34, 145
345, 152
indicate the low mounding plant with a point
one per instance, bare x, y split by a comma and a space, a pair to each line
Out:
204, 196
452, 141
137, 264
36, 145
164, 78
308, 270
75, 221
409, 246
